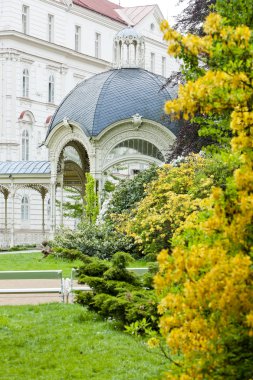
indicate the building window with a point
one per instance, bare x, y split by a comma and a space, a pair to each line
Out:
25, 88
50, 28
25, 209
152, 62
134, 147
25, 19
25, 145
164, 66
51, 89
98, 45
77, 38
152, 27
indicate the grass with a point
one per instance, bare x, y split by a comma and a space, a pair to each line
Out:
67, 342
36, 261
138, 264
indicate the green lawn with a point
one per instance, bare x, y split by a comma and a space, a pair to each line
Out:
67, 342
36, 261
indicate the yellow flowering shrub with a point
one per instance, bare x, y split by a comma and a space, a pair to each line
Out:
170, 198
206, 281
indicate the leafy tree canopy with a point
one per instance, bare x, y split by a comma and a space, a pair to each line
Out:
191, 19
206, 282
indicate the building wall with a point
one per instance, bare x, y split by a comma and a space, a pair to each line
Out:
33, 52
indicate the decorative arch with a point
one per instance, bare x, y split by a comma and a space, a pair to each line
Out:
152, 133
135, 147
27, 117
63, 135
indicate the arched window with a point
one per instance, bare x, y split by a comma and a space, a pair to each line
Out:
25, 88
51, 89
25, 145
25, 209
136, 147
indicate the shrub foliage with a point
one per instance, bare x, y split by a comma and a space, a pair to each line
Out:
206, 282
117, 292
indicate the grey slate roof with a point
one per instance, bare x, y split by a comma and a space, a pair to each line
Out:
128, 32
25, 167
115, 95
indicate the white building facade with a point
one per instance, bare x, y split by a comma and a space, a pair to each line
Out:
47, 48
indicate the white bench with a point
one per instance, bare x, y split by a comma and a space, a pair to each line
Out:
33, 275
139, 271
71, 285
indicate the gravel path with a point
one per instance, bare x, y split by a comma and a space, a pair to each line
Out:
28, 299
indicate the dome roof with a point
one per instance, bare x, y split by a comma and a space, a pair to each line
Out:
128, 32
115, 95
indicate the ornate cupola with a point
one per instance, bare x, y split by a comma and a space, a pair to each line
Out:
129, 49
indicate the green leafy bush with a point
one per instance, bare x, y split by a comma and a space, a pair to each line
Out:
130, 191
67, 253
94, 240
117, 293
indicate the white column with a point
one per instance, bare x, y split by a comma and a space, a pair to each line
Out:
43, 195
6, 194
12, 215
5, 212
53, 205
61, 218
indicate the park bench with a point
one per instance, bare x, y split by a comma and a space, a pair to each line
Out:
139, 271
71, 285
33, 275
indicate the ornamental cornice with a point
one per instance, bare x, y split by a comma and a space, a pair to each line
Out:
62, 50
155, 138
10, 54
25, 101
150, 130
128, 124
26, 60
157, 43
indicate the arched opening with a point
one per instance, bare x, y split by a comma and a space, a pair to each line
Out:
68, 190
129, 157
74, 163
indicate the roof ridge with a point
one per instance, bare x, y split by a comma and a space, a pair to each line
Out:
106, 8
